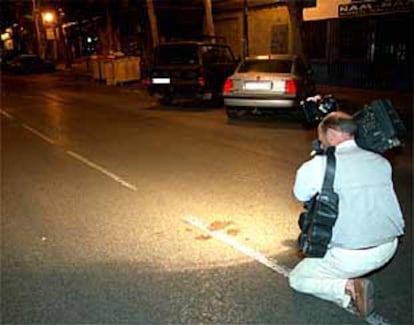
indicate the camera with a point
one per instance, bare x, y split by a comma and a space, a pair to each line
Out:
379, 126
316, 107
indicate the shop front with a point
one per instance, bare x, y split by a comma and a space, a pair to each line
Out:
361, 43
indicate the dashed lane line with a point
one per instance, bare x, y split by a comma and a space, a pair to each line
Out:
102, 170
38, 133
73, 154
5, 114
373, 319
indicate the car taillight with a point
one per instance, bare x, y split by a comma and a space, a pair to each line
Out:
201, 81
290, 87
147, 82
228, 86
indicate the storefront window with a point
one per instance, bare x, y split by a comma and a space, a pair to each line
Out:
392, 40
354, 39
315, 39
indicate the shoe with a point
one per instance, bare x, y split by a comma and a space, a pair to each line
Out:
364, 297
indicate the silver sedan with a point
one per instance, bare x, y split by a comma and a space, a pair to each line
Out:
267, 83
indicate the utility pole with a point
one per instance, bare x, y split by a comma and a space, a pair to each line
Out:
209, 18
245, 29
64, 40
36, 16
295, 8
18, 40
109, 29
153, 23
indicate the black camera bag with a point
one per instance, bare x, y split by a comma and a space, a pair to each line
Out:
379, 126
320, 214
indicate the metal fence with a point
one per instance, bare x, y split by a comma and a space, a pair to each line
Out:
364, 75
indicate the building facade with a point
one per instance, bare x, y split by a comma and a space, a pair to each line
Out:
261, 25
354, 43
361, 43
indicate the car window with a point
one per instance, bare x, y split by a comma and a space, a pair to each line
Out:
30, 59
272, 66
36, 61
24, 59
216, 54
177, 55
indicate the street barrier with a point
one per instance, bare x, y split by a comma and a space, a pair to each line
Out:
108, 71
126, 69
95, 68
115, 70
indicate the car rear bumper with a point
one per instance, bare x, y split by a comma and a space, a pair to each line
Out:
177, 89
182, 90
267, 103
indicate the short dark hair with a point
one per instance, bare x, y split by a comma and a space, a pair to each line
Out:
339, 121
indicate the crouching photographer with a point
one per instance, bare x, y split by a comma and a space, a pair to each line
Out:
368, 222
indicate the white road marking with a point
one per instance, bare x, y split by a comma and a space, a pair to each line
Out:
79, 157
259, 257
38, 133
8, 115
373, 319
101, 169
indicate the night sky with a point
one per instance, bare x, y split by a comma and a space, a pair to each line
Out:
174, 16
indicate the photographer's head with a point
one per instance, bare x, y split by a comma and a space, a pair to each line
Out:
335, 128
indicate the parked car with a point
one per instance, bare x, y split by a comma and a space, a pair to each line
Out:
30, 63
267, 83
6, 57
194, 69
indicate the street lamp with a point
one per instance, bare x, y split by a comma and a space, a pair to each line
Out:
36, 14
50, 24
48, 17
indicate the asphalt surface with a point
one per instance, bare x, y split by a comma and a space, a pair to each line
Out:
97, 182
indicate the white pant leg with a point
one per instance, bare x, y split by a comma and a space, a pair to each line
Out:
326, 277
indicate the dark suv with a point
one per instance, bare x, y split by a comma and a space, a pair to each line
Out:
193, 69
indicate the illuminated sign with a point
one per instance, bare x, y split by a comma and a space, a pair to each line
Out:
372, 7
50, 33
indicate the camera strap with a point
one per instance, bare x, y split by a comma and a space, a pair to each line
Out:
330, 170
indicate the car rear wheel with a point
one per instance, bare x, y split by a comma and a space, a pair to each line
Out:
234, 113
166, 100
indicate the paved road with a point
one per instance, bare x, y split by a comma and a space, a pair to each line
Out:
97, 183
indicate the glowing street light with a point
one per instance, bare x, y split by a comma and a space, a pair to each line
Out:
48, 17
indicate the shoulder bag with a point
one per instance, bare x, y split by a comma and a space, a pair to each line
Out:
320, 214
